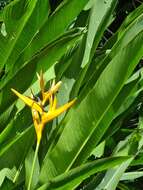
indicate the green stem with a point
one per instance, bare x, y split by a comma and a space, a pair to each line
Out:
33, 166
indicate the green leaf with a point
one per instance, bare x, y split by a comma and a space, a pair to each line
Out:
99, 150
126, 23
5, 117
98, 21
131, 32
9, 173
21, 27
131, 145
28, 167
71, 179
113, 176
13, 153
130, 19
43, 60
17, 125
57, 23
84, 128
6, 133
131, 175
63, 96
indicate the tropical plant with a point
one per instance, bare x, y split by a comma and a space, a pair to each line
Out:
90, 146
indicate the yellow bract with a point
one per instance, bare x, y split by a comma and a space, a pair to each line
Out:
29, 101
40, 116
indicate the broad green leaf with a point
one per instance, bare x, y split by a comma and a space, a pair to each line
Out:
43, 60
57, 23
71, 179
84, 128
13, 153
53, 28
131, 32
131, 85
21, 27
98, 21
17, 125
111, 114
25, 11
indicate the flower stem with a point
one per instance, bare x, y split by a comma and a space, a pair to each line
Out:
33, 165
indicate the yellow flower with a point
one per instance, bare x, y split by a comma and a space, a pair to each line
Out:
40, 116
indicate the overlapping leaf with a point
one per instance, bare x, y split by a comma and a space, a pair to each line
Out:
20, 27
82, 130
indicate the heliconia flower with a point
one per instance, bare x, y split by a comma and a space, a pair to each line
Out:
40, 120
40, 116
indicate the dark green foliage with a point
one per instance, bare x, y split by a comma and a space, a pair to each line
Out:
95, 48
